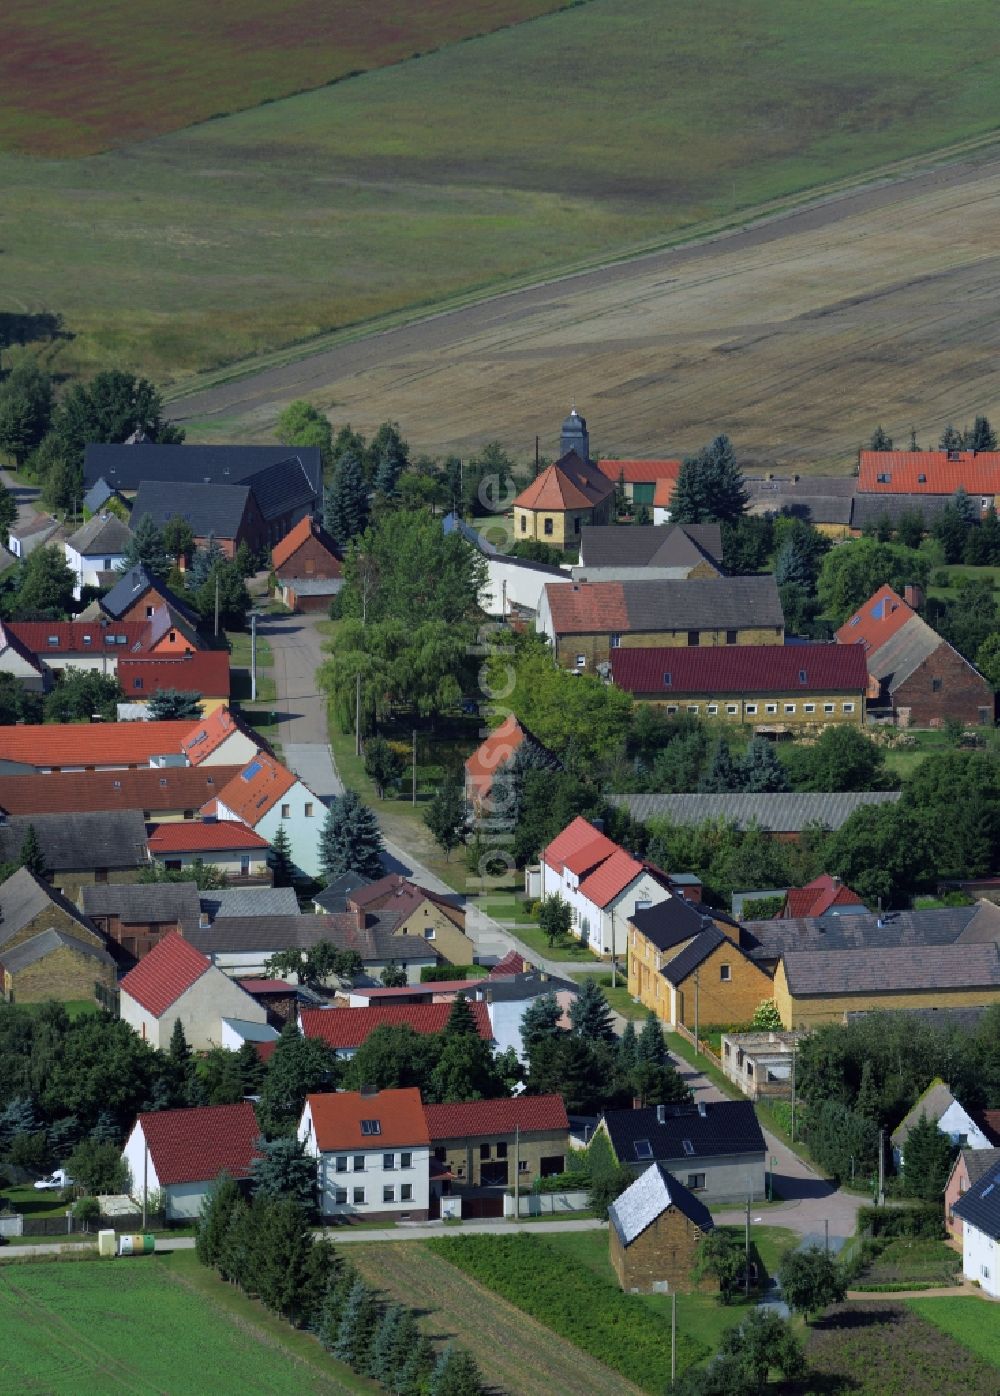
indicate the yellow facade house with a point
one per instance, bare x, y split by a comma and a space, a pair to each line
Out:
685, 964
768, 687
564, 499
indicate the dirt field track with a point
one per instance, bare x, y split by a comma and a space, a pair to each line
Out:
796, 336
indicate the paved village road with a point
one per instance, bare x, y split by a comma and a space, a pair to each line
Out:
297, 647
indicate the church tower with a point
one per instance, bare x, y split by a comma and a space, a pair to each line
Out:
574, 436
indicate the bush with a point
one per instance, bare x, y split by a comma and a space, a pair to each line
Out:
86, 1210
431, 974
923, 1220
562, 1182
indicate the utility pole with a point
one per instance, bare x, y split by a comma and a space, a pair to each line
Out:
357, 714
793, 1095
253, 656
697, 1005
746, 1273
673, 1336
614, 960
881, 1168
413, 791
826, 1234
517, 1173
216, 603
145, 1177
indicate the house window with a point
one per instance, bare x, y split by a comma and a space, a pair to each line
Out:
789, 707
732, 708
935, 685
581, 661
524, 523
687, 1146
371, 1127
725, 973
388, 1162
359, 1197
713, 709
149, 612
693, 708
107, 565
286, 811
388, 1194
430, 933
406, 1192
828, 707
732, 637
694, 637
576, 525
547, 528
616, 640
502, 1149
809, 707
985, 1270
100, 874
770, 707
848, 707
696, 1182
173, 636
310, 566
643, 1149
671, 709
244, 865
359, 1163
309, 809
340, 1197
341, 1163
522, 1165
751, 710
484, 1151
406, 1160
173, 864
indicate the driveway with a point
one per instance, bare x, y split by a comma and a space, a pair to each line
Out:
25, 497
297, 647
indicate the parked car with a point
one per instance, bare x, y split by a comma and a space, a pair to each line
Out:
54, 1182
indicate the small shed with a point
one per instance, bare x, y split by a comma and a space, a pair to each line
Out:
656, 1226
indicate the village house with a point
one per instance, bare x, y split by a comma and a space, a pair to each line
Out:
266, 797
344, 1030
205, 672
914, 674
308, 567
512, 586
82, 847
587, 621
979, 1211
760, 1063
715, 1149
139, 915
48, 950
824, 501
437, 919
139, 593
927, 473
783, 815
175, 983
34, 532
772, 688
101, 496
968, 1168
95, 552
655, 1229
686, 965
646, 484
220, 738
602, 883
938, 1105
225, 514
496, 749
649, 553
373, 1154
180, 1154
507, 996
89, 645
161, 794
487, 1144
125, 466
824, 894
20, 661
235, 851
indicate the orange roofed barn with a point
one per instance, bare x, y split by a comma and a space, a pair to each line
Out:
924, 473
308, 566
373, 1153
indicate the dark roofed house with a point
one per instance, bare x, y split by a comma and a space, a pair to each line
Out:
81, 848
125, 467
979, 1211
715, 1148
655, 1230
139, 915
138, 593
671, 551
228, 513
335, 894
825, 501
587, 621
969, 1166
842, 928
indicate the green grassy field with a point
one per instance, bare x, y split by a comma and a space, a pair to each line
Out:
971, 1322
149, 1326
607, 127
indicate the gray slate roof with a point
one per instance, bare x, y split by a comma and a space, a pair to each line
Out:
979, 1162
282, 488
708, 1130
980, 1206
648, 1198
666, 545
911, 969
722, 603
215, 509
519, 988
671, 922
133, 584
30, 951
819, 499
334, 895
143, 901
861, 930
374, 943
868, 510
99, 493
789, 813
932, 1104
903, 653
675, 971
250, 901
104, 533
80, 841
126, 466
24, 896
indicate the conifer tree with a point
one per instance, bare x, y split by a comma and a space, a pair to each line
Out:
982, 437
283, 869
628, 1048
590, 1013
951, 439
283, 1169
723, 773
203, 563
652, 1048
382, 1359
710, 486
455, 1374
357, 1326
175, 705
213, 1223
761, 769
880, 441
146, 546
412, 1379
927, 1158
540, 1020
407, 1337
179, 1052
340, 1284
351, 840
345, 501
460, 1022
31, 856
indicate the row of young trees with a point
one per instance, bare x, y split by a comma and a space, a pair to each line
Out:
979, 437
266, 1247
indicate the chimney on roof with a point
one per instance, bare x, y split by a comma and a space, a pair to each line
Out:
661, 1114
359, 915
913, 595
702, 1109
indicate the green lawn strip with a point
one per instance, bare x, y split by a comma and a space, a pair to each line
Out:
565, 949
970, 1321
576, 1302
240, 650
34, 1203
267, 689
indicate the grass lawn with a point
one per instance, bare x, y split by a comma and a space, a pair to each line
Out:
971, 1322
620, 999
566, 949
35, 1204
239, 650
403, 189
956, 572
92, 1326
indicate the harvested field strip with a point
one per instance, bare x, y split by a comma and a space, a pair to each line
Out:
516, 1354
972, 1322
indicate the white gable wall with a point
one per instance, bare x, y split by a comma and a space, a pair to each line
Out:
981, 1259
302, 813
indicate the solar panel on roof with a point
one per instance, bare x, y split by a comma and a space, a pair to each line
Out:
254, 769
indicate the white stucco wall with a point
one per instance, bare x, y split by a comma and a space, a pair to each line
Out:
12, 663
303, 823
229, 861
184, 1200
235, 750
505, 1020
139, 1020
962, 1129
372, 1177
522, 586
598, 926
135, 1147
981, 1259
200, 1010
86, 566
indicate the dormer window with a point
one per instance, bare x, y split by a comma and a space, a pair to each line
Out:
54, 640
371, 1127
667, 680
802, 676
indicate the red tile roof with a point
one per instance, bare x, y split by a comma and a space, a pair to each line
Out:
258, 788
882, 616
741, 669
571, 483
641, 472
91, 744
497, 748
929, 472
579, 847
512, 963
337, 1117
989, 1123
8, 638
344, 1028
611, 878
289, 545
587, 608
525, 1112
663, 493
81, 637
818, 896
197, 671
158, 789
208, 734
166, 972
195, 836
265, 1050
196, 1145
378, 995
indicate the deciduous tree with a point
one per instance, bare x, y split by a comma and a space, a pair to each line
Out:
445, 815
302, 424
555, 917
810, 1280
